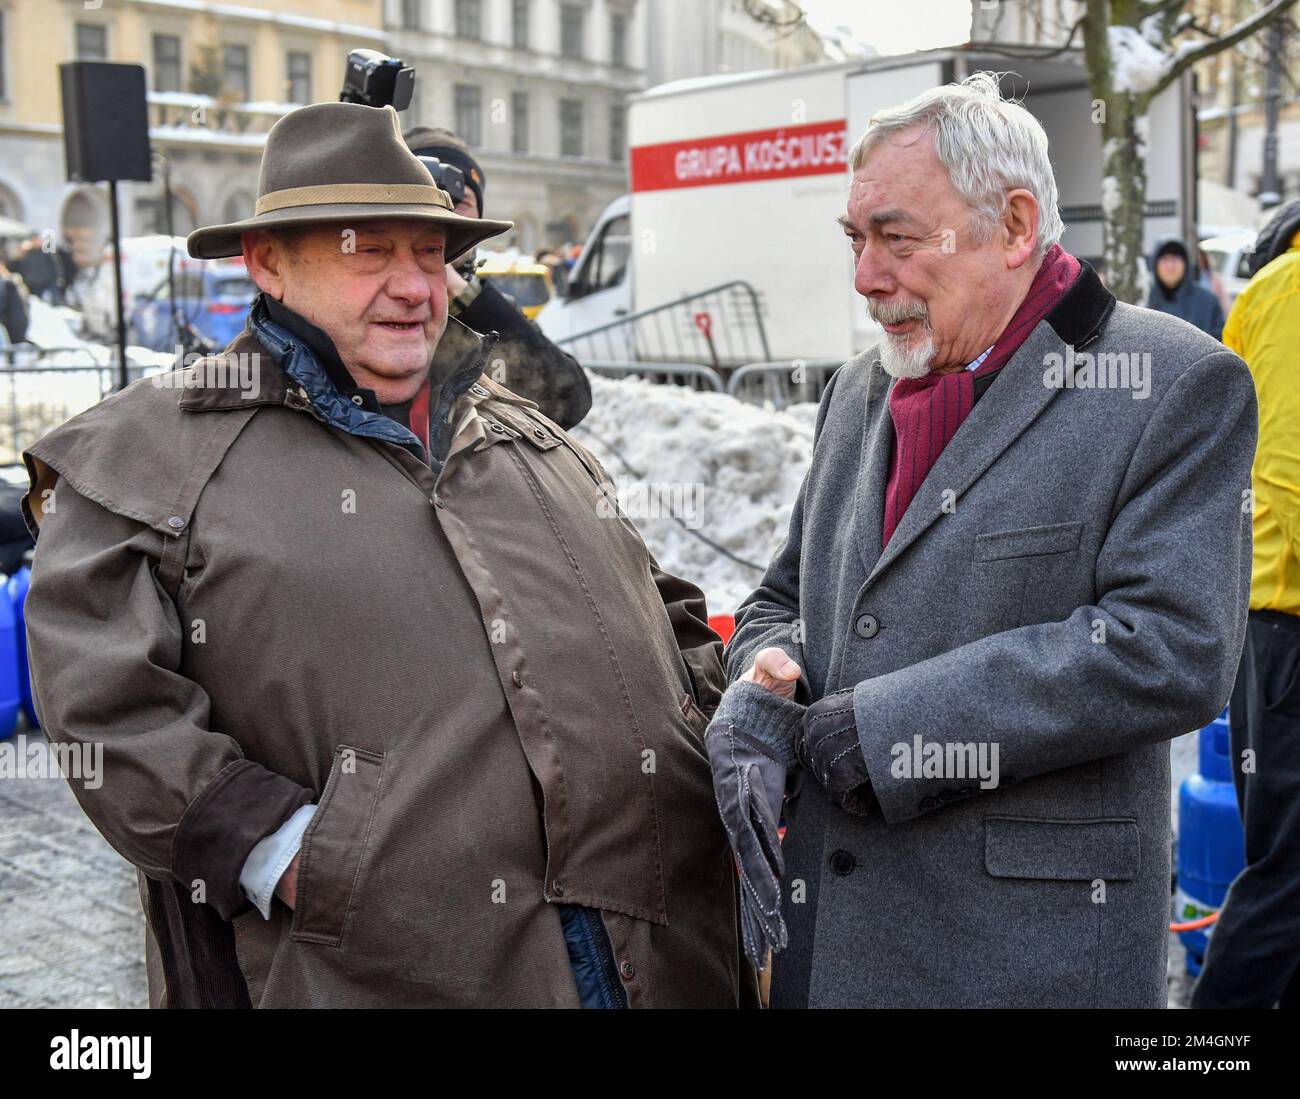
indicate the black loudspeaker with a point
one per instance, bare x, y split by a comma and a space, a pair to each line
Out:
105, 121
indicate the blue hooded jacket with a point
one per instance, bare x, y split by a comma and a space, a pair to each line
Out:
1188, 300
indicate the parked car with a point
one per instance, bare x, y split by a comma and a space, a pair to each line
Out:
1230, 255
212, 297
522, 279
144, 263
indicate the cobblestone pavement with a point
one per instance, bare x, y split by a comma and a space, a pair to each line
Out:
71, 930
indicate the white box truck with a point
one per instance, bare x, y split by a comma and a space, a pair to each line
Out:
742, 178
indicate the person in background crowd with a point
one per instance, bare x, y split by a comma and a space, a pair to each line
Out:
529, 363
45, 273
1210, 280
1254, 954
13, 309
1177, 291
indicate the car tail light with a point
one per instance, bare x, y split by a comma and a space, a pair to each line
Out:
223, 307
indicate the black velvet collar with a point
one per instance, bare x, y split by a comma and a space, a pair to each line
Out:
1082, 312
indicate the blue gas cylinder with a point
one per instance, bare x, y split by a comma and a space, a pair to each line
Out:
1211, 843
9, 700
18, 585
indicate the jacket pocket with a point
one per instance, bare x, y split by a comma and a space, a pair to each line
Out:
329, 861
1062, 850
1028, 542
696, 721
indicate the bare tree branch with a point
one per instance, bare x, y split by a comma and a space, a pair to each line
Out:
1032, 53
1244, 29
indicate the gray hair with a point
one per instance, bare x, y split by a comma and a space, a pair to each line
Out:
989, 145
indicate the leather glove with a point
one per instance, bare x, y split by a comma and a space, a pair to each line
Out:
751, 750
828, 746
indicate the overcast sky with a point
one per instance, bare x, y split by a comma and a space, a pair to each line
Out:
895, 26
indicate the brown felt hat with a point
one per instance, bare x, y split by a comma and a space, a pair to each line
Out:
339, 163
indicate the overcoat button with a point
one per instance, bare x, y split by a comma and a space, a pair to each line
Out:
176, 522
557, 887
626, 970
842, 863
358, 400
539, 433
438, 501
518, 679
867, 626
498, 428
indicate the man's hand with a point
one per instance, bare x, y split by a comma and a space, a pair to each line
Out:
287, 887
773, 669
828, 746
455, 283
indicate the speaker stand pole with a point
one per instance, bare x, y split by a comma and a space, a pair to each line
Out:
123, 378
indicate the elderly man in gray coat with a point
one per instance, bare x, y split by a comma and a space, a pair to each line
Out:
1018, 566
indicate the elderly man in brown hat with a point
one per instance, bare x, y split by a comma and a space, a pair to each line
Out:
395, 709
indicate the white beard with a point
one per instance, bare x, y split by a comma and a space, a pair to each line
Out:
899, 360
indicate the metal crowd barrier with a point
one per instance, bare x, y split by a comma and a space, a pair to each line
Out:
792, 381
691, 375
721, 326
46, 386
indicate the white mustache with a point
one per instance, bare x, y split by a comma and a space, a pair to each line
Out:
896, 312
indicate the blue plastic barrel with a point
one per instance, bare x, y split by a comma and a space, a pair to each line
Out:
18, 585
9, 697
1211, 843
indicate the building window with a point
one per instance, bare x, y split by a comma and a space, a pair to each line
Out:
469, 114
166, 63
92, 42
298, 65
519, 13
571, 27
571, 127
618, 39
234, 68
4, 82
519, 122
617, 133
411, 14
469, 19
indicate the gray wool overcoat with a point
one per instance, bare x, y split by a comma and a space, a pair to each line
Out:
1070, 585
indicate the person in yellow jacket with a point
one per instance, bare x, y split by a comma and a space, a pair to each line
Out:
1253, 958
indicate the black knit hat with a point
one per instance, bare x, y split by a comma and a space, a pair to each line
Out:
475, 180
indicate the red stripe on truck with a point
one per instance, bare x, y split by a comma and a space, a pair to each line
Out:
819, 148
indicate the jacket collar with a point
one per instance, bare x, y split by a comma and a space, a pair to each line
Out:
996, 421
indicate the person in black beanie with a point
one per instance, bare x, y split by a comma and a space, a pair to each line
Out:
530, 364
1175, 289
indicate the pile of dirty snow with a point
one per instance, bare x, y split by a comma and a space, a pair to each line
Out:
729, 471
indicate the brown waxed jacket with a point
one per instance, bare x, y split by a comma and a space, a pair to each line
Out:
480, 675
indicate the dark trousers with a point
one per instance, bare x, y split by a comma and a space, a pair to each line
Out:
1254, 954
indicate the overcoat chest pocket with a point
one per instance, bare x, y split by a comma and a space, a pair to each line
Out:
1028, 542
1032, 574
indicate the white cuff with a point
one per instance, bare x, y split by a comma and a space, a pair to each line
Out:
267, 862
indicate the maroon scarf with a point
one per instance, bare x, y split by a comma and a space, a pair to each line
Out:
928, 411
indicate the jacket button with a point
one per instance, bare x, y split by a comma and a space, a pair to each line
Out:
927, 804
842, 863
539, 433
557, 887
626, 970
439, 502
358, 400
867, 626
478, 390
518, 679
176, 522
498, 428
